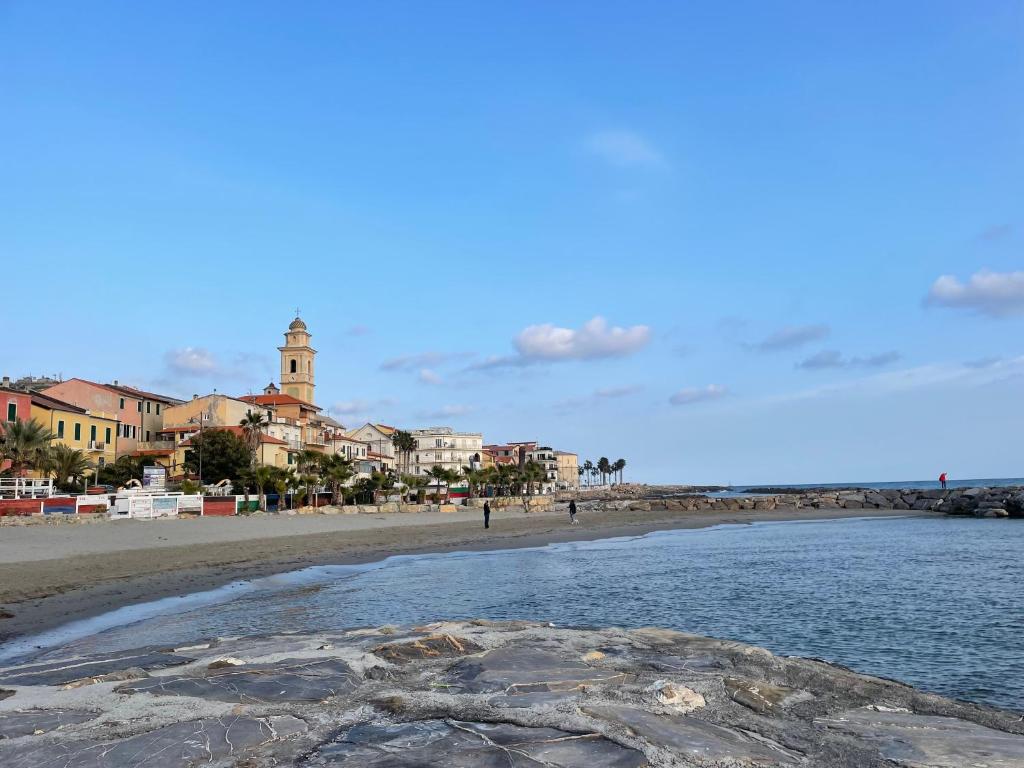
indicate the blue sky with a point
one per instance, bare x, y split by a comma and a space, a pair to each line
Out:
741, 242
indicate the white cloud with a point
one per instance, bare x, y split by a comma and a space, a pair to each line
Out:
690, 395
624, 149
997, 294
548, 343
832, 358
427, 376
595, 339
191, 361
792, 336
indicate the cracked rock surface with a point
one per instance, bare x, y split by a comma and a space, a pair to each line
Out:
481, 695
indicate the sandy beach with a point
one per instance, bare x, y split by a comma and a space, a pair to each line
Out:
50, 575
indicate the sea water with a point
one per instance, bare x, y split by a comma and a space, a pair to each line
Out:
936, 602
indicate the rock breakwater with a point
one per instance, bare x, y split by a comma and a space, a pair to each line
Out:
980, 502
482, 694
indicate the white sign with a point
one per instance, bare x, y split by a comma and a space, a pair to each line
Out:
154, 477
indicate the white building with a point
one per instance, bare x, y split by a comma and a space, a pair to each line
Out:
443, 446
377, 438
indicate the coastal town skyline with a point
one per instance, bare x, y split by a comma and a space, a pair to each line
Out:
836, 295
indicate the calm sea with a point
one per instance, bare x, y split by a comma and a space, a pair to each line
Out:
936, 602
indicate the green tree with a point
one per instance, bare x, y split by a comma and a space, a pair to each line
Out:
604, 467
588, 470
25, 444
123, 469
226, 456
440, 475
618, 466
68, 466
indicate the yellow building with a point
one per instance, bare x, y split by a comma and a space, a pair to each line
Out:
297, 358
213, 410
568, 469
92, 434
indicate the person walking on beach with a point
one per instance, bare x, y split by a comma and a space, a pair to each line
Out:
487, 514
942, 480
572, 513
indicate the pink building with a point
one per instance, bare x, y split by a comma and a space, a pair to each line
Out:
105, 401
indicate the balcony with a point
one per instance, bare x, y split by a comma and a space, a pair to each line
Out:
97, 445
154, 445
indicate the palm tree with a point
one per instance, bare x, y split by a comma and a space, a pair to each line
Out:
404, 444
528, 475
594, 472
604, 467
252, 425
337, 472
262, 476
618, 466
68, 466
588, 470
25, 444
440, 474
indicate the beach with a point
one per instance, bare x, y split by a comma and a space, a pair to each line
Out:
51, 575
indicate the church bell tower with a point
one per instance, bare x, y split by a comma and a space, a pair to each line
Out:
297, 358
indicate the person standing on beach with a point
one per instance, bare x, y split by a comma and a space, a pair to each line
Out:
487, 514
942, 480
572, 512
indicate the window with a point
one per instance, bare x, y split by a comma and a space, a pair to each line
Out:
158, 409
92, 433
140, 406
437, 443
148, 406
122, 403
106, 436
295, 366
60, 429
102, 462
78, 431
12, 411
289, 458
147, 435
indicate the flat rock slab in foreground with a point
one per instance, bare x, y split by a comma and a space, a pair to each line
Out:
482, 695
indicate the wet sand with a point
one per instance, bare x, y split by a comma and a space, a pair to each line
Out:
50, 575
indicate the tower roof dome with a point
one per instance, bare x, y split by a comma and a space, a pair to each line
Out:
297, 325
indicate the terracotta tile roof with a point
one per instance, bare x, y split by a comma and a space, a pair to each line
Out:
138, 393
188, 428
46, 401
385, 429
277, 400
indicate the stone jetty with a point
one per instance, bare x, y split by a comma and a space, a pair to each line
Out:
481, 694
980, 502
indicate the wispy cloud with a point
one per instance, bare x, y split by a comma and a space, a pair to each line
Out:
428, 376
624, 149
996, 294
192, 362
909, 379
996, 233
691, 395
616, 392
359, 407
448, 412
832, 358
422, 360
594, 340
791, 337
